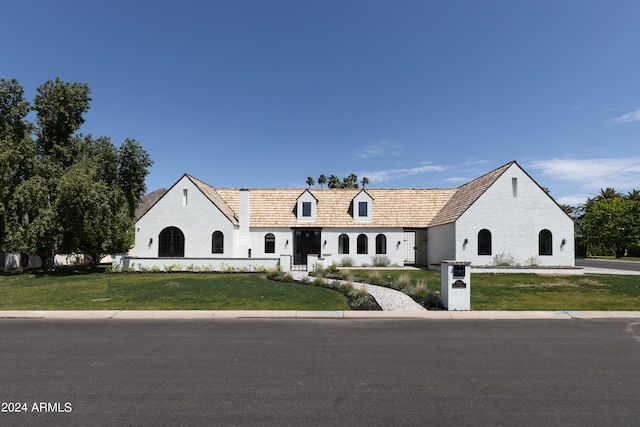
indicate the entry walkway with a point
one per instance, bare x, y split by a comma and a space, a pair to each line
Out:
389, 299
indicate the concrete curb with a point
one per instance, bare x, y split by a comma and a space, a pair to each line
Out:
293, 314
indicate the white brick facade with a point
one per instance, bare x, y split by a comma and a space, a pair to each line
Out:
515, 209
506, 202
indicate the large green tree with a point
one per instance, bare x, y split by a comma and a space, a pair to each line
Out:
17, 149
612, 225
61, 191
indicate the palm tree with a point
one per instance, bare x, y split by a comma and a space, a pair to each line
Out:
633, 195
350, 181
310, 181
334, 182
364, 181
608, 193
322, 179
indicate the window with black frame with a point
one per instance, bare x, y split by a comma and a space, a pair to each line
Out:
269, 243
545, 243
484, 242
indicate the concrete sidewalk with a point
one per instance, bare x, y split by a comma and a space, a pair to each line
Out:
293, 314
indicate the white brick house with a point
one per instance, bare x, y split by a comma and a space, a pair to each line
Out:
503, 214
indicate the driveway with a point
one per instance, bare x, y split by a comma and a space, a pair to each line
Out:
601, 266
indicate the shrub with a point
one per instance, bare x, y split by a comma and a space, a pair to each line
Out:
359, 297
420, 289
381, 261
402, 281
504, 260
287, 278
318, 271
373, 277
346, 261
333, 268
319, 281
346, 287
275, 274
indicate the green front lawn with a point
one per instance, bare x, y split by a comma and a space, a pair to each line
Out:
83, 290
528, 291
69, 289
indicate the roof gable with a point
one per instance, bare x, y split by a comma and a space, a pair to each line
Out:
215, 198
467, 194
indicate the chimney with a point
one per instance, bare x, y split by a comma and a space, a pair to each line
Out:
245, 208
243, 246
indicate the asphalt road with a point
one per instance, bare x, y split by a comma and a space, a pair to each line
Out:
613, 265
320, 372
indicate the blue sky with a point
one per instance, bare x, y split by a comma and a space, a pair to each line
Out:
263, 93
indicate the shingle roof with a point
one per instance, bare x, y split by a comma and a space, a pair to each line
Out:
466, 195
413, 208
215, 198
405, 208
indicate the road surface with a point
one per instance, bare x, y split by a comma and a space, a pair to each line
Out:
281, 372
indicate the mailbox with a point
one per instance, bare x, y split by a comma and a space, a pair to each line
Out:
455, 287
459, 270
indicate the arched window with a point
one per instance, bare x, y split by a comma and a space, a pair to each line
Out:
381, 244
545, 243
343, 244
171, 243
484, 242
363, 243
269, 243
217, 242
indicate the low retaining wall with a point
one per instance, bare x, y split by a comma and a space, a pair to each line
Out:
559, 271
198, 264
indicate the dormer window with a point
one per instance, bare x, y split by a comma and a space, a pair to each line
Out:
306, 207
362, 207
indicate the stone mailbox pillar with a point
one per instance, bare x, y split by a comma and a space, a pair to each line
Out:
456, 285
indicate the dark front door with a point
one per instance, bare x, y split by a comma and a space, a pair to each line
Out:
305, 242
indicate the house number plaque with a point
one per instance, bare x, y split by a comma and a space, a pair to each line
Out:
458, 284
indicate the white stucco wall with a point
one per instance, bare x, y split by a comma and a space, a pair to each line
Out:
440, 243
515, 218
283, 244
395, 251
197, 219
329, 243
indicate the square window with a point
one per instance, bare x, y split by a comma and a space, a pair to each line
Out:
362, 208
306, 209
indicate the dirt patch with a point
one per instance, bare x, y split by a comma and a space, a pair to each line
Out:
592, 282
101, 299
545, 285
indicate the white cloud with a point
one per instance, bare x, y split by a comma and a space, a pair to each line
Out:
588, 175
380, 149
457, 180
633, 116
387, 175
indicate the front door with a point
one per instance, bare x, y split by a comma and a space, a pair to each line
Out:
305, 242
410, 247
